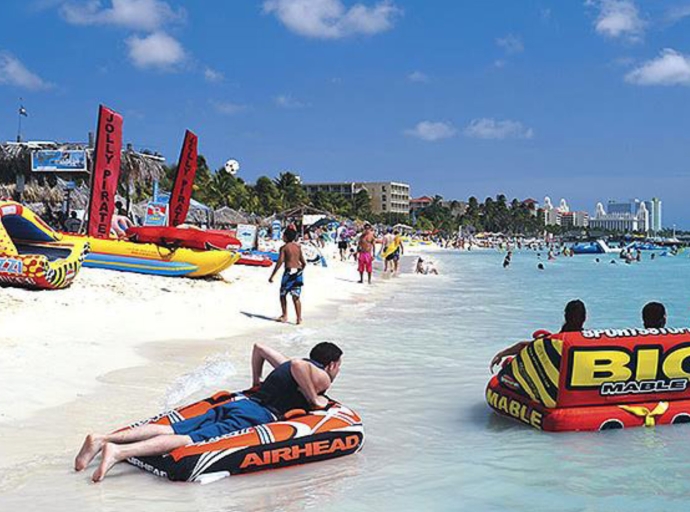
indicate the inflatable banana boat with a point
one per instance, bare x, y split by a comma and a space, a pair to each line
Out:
192, 238
148, 258
300, 437
597, 380
32, 254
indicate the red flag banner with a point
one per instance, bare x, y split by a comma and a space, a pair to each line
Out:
106, 171
184, 180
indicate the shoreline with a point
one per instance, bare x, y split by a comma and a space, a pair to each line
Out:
160, 373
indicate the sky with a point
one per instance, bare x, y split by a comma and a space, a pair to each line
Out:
586, 100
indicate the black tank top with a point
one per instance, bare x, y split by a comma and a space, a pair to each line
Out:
280, 393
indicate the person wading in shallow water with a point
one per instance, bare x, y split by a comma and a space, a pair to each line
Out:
293, 384
293, 280
575, 316
365, 253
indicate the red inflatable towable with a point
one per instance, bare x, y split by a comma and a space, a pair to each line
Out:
191, 238
597, 380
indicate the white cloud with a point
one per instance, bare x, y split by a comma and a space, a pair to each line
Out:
677, 14
486, 128
432, 130
157, 50
213, 76
287, 101
13, 72
618, 19
148, 15
331, 19
418, 77
228, 108
499, 63
511, 44
669, 68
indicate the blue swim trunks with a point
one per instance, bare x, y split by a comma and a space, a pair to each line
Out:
223, 420
292, 283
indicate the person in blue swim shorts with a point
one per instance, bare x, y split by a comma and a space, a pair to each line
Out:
292, 258
293, 384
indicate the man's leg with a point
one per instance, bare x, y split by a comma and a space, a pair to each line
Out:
298, 308
158, 445
94, 442
283, 307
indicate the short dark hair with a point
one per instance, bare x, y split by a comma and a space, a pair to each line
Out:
654, 315
290, 235
325, 353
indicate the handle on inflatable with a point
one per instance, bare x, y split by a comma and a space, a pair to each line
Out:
293, 413
541, 333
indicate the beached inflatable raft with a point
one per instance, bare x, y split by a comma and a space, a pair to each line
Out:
597, 380
148, 258
299, 438
32, 254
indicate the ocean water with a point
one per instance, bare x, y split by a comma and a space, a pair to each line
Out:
415, 367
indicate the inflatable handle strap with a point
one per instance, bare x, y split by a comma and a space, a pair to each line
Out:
645, 413
293, 413
541, 333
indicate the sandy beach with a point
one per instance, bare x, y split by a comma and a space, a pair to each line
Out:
117, 346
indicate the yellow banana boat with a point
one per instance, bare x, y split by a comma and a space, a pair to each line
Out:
155, 259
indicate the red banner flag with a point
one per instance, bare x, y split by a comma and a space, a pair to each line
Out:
184, 180
106, 171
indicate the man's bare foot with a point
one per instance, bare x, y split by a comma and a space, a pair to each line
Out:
299, 321
92, 445
281, 319
109, 458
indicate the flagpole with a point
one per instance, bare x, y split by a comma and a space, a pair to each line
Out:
19, 121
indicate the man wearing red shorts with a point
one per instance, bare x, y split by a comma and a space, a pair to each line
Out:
365, 253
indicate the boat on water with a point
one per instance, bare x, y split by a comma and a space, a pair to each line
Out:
34, 255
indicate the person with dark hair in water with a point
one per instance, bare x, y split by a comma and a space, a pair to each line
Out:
293, 384
575, 315
654, 315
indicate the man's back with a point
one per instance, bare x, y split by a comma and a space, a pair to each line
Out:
280, 393
293, 255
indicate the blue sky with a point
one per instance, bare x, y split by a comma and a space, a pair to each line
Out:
587, 100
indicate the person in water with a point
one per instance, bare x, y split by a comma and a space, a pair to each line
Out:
365, 253
399, 251
654, 315
575, 315
292, 258
386, 242
293, 384
506, 260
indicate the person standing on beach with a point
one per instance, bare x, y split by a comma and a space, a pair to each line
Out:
292, 258
341, 237
293, 384
387, 241
365, 253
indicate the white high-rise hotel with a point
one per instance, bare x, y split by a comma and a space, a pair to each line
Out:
630, 216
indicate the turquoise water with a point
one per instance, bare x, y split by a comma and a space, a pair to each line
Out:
415, 367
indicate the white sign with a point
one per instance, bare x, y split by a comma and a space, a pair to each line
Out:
246, 234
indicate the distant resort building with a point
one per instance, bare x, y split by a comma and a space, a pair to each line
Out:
420, 203
386, 196
632, 215
562, 216
619, 220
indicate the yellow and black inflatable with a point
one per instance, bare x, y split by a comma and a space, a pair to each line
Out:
32, 254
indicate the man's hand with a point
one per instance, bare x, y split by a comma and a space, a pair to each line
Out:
270, 279
321, 402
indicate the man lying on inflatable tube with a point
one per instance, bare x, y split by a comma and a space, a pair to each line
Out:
293, 384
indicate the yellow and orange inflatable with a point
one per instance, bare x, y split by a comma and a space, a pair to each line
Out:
32, 254
597, 380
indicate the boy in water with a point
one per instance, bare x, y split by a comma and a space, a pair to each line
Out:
291, 256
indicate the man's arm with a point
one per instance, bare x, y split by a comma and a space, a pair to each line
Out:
281, 258
311, 381
262, 353
302, 261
